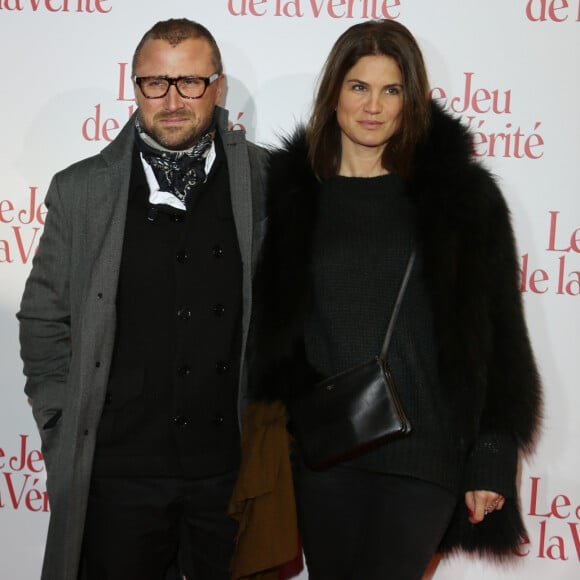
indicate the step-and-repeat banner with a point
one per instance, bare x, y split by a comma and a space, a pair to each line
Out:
508, 68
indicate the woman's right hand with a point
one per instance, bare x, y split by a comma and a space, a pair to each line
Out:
481, 503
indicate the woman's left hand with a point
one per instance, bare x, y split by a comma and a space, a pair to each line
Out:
481, 503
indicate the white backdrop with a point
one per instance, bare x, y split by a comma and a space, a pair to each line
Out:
509, 68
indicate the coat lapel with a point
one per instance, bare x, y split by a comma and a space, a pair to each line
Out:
106, 211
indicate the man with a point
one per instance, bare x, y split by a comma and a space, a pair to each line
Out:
133, 327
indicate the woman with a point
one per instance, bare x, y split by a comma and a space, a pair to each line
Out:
379, 171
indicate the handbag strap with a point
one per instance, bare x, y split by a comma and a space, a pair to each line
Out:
397, 306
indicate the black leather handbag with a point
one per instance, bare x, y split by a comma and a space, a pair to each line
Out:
353, 411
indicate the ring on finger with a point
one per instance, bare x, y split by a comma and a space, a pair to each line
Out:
490, 508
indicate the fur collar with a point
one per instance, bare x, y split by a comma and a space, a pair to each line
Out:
440, 159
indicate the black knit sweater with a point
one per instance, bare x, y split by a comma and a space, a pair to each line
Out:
364, 235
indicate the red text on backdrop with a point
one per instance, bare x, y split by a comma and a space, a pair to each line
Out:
21, 484
561, 278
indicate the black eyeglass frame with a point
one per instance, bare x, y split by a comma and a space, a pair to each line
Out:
172, 81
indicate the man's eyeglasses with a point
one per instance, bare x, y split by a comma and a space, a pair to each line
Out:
188, 87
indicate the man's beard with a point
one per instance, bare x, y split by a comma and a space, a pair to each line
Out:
164, 137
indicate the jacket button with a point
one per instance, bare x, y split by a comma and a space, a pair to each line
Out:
182, 256
180, 421
177, 217
184, 313
217, 251
183, 371
218, 420
221, 367
219, 309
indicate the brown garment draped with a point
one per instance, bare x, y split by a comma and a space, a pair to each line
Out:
263, 499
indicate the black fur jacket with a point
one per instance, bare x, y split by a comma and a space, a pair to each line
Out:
487, 370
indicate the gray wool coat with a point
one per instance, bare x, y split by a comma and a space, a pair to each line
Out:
67, 316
